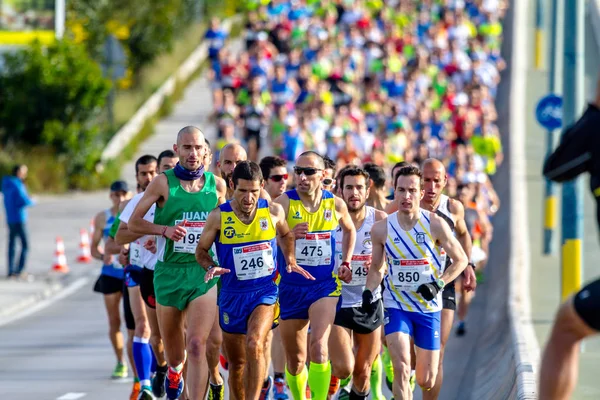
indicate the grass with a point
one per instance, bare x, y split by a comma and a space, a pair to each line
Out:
127, 102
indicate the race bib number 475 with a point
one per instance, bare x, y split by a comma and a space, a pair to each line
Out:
408, 275
192, 237
314, 249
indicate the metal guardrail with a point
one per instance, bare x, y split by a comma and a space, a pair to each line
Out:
151, 107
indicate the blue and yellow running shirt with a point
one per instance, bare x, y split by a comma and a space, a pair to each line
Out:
413, 258
249, 251
316, 252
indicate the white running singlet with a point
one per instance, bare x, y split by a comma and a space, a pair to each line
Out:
413, 259
363, 248
136, 249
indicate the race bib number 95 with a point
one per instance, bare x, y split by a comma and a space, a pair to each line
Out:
189, 242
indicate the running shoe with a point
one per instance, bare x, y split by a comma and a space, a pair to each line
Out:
120, 371
146, 393
174, 384
264, 392
158, 382
216, 392
308, 393
344, 394
279, 389
224, 363
461, 329
412, 382
135, 391
389, 384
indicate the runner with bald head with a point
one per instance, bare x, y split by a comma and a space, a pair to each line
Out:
453, 212
229, 157
184, 196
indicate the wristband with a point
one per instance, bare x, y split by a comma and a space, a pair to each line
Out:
164, 231
211, 266
346, 263
472, 265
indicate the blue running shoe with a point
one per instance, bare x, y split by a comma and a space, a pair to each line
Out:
280, 389
174, 384
264, 392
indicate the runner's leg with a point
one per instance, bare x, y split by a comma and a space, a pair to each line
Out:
234, 345
213, 352
340, 348
367, 350
142, 352
321, 315
293, 336
446, 328
259, 325
399, 348
427, 367
200, 309
111, 303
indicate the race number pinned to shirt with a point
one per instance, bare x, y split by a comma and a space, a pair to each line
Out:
253, 261
360, 268
189, 242
408, 275
314, 249
135, 253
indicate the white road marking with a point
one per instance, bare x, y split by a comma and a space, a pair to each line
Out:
71, 396
67, 291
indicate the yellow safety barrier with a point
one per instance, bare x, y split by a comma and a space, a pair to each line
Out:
571, 267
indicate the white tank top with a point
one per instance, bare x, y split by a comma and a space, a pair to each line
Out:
443, 209
413, 259
363, 248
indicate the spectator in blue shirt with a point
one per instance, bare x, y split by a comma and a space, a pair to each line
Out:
216, 39
16, 200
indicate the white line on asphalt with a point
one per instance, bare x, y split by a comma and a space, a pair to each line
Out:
67, 291
71, 396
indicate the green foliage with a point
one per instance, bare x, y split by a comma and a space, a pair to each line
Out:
48, 96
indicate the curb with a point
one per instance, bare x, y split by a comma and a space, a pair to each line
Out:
524, 342
56, 288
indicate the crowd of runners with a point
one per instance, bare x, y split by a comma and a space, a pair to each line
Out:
321, 246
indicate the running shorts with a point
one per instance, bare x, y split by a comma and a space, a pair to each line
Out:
587, 304
424, 328
235, 308
108, 285
176, 285
357, 321
449, 297
295, 300
147, 287
129, 320
133, 275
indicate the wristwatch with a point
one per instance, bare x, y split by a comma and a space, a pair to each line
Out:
440, 283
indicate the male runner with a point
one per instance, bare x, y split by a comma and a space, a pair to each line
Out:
412, 241
245, 230
355, 328
229, 157
328, 174
139, 281
314, 215
183, 196
110, 282
275, 174
377, 193
453, 212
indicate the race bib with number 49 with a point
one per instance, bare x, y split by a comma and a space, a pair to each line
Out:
360, 268
189, 242
314, 249
408, 275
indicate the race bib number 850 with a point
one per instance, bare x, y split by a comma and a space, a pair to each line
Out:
408, 275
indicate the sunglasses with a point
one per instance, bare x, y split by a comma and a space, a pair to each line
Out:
327, 181
306, 171
278, 178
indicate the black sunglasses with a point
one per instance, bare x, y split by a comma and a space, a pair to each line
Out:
278, 178
306, 171
327, 181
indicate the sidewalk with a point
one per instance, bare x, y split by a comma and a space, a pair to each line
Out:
545, 270
65, 215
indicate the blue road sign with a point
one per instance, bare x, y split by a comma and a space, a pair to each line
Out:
549, 111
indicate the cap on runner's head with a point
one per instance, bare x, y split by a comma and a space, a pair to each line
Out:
119, 186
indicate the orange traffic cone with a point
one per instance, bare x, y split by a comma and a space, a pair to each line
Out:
85, 254
60, 260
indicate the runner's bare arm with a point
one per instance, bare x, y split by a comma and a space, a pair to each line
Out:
156, 191
208, 237
286, 241
110, 246
377, 268
284, 201
99, 222
460, 227
379, 215
442, 233
348, 230
221, 190
124, 235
